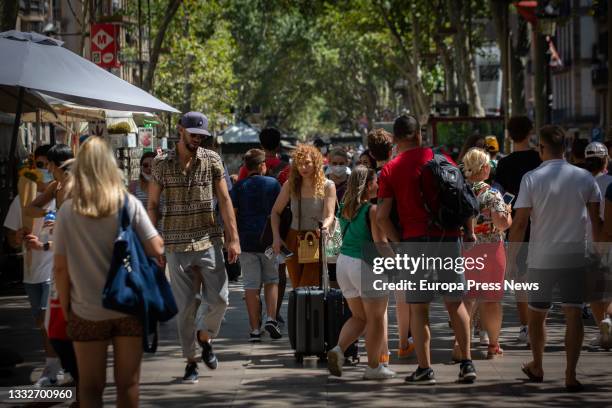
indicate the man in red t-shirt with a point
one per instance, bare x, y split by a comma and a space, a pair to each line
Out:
403, 180
277, 168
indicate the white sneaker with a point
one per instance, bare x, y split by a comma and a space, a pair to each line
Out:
335, 360
605, 329
48, 378
45, 382
379, 373
484, 338
595, 341
523, 336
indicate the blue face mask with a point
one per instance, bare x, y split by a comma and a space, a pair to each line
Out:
46, 175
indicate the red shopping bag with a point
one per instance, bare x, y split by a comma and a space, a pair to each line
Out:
56, 325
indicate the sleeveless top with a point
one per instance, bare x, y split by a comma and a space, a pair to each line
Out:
356, 232
312, 211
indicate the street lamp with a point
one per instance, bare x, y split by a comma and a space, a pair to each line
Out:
547, 14
547, 25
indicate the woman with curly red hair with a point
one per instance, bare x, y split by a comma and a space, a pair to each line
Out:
313, 199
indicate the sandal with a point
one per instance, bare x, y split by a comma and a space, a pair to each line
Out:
532, 377
494, 351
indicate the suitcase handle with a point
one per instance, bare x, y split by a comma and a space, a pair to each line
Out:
323, 271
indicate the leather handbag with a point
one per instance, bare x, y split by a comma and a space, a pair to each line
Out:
308, 248
136, 285
307, 242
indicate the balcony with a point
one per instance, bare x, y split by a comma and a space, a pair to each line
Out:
599, 78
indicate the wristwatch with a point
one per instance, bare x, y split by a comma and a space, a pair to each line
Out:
46, 246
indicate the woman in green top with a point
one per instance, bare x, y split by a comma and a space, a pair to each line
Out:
355, 277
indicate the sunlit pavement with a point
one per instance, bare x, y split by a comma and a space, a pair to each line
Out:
266, 375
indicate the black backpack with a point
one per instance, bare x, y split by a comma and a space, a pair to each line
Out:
457, 202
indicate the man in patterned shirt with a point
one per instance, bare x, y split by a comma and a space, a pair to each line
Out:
189, 179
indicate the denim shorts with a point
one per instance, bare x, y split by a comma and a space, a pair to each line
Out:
38, 294
257, 269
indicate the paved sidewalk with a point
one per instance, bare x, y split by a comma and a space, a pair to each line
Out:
265, 375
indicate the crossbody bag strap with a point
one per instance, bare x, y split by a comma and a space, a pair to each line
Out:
300, 211
124, 216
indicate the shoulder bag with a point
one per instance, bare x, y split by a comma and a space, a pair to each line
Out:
136, 285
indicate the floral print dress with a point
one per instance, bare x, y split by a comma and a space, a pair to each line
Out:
489, 200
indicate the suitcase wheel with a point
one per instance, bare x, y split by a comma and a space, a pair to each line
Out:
298, 358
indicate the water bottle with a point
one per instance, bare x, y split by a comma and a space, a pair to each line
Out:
47, 230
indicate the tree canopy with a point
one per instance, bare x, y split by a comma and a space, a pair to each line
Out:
315, 66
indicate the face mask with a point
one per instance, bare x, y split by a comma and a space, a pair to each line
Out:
46, 175
337, 171
145, 176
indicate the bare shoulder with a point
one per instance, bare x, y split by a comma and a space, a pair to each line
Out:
330, 186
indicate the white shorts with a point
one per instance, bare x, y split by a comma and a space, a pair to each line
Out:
355, 278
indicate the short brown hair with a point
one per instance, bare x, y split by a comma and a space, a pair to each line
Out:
519, 128
554, 137
253, 158
380, 144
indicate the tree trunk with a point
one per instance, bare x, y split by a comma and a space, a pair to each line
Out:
171, 10
499, 12
519, 52
409, 66
539, 91
465, 56
188, 69
462, 90
450, 79
10, 9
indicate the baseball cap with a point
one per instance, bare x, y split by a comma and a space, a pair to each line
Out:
195, 122
491, 144
596, 149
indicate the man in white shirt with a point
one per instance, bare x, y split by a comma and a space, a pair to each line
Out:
36, 275
558, 198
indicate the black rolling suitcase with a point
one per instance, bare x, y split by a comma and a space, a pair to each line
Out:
316, 316
307, 322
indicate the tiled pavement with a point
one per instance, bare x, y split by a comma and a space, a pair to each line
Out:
265, 375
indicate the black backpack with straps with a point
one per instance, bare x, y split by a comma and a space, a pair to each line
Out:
456, 200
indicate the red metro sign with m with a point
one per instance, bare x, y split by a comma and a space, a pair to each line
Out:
105, 45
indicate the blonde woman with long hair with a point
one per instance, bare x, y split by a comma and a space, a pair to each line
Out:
312, 195
368, 306
494, 218
85, 232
